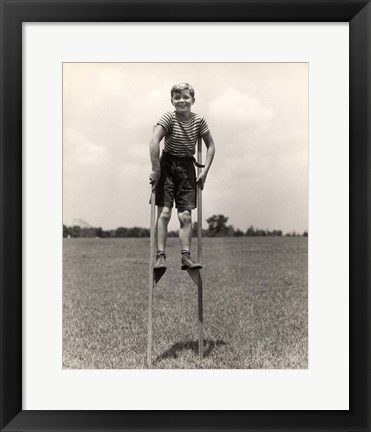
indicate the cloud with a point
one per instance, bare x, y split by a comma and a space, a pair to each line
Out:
235, 107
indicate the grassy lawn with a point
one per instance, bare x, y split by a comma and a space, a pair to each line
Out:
255, 305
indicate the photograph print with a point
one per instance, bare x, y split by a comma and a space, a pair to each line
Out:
185, 215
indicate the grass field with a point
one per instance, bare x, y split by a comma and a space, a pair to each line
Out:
255, 305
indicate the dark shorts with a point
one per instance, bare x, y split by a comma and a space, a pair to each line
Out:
177, 181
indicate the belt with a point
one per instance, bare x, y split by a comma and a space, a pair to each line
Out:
182, 158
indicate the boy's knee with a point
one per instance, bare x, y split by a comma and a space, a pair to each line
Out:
165, 214
185, 217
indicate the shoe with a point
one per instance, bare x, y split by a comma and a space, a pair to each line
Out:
160, 261
188, 263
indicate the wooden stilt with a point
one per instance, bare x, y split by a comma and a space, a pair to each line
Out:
196, 275
154, 274
199, 256
151, 278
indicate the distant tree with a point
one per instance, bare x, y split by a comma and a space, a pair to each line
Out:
250, 231
238, 233
84, 232
66, 231
146, 232
108, 233
75, 231
133, 232
173, 233
121, 232
217, 226
90, 232
305, 234
274, 233
292, 234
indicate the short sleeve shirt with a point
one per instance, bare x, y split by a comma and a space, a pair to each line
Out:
181, 136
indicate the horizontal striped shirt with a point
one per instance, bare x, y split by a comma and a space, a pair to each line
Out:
181, 136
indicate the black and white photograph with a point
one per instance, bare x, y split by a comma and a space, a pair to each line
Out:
185, 215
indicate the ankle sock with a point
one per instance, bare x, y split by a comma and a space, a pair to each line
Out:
161, 253
185, 252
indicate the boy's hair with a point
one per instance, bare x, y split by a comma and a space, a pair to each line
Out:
177, 88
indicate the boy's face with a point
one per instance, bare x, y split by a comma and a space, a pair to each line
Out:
182, 101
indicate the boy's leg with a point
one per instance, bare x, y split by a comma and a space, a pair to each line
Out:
164, 203
185, 232
163, 218
185, 237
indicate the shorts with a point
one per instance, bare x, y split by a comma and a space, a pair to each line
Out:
177, 181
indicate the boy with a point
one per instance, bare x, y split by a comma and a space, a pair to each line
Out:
173, 175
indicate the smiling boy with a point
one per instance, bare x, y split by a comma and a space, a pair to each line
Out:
173, 175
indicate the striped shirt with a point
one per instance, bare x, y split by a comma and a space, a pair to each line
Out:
181, 136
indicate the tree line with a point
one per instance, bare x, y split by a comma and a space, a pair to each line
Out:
76, 231
217, 228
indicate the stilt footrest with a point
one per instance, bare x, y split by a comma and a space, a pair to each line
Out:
158, 273
195, 275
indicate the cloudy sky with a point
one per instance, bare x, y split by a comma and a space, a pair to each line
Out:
257, 114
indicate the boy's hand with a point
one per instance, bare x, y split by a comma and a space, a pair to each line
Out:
201, 179
154, 177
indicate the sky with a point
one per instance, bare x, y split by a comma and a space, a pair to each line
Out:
257, 115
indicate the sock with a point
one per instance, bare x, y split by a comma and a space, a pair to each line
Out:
185, 252
161, 253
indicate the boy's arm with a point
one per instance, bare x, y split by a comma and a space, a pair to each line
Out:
209, 142
154, 151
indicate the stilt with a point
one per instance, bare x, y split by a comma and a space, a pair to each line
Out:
154, 275
199, 256
151, 278
196, 274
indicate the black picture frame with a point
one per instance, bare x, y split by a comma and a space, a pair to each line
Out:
16, 12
